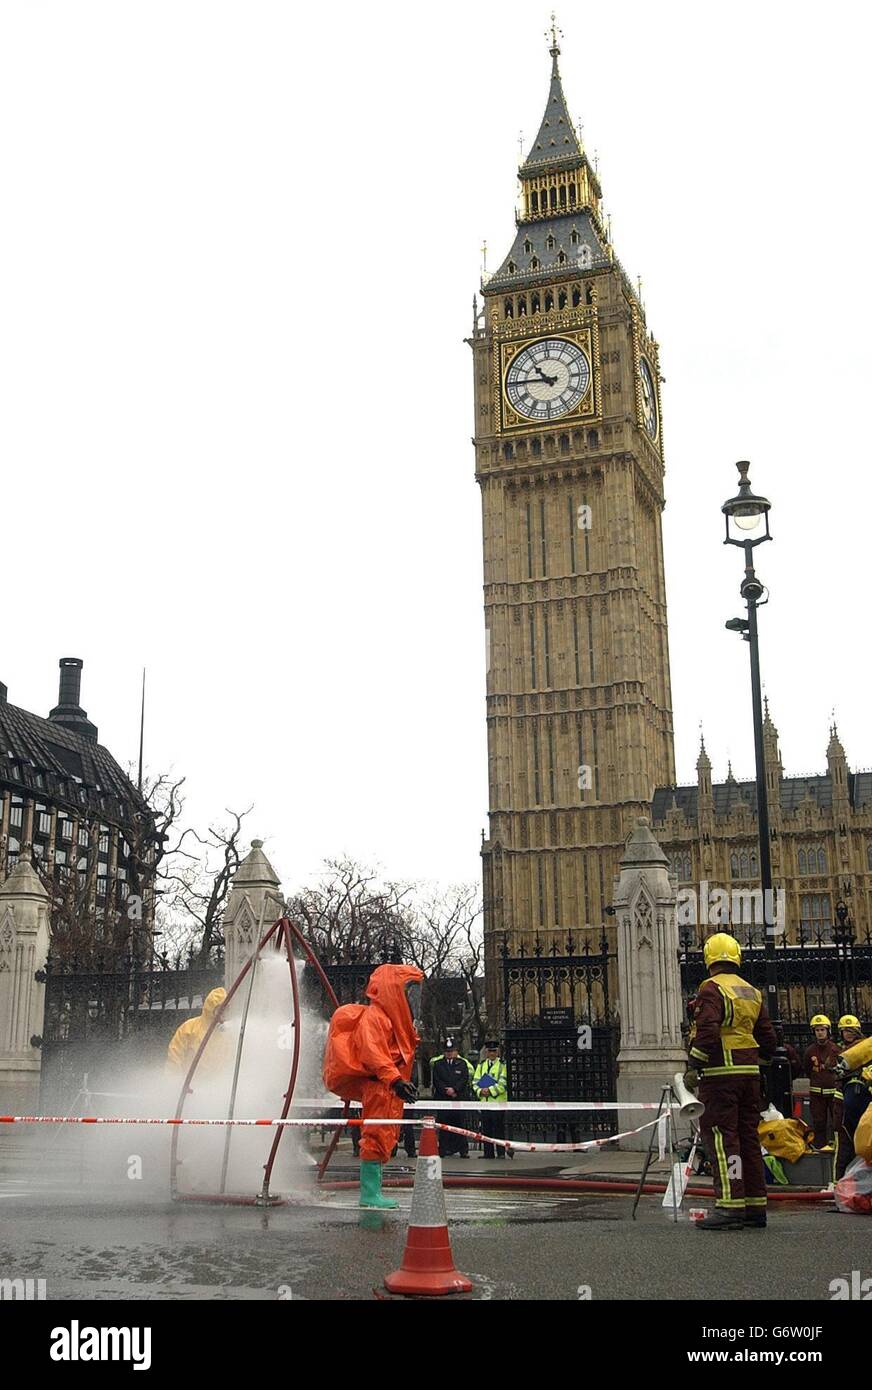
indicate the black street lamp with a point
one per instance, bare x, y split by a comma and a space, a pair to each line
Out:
745, 514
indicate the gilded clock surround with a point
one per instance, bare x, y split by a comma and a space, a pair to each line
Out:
586, 409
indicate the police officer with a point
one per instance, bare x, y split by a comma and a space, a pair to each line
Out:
730, 1030
452, 1080
490, 1085
819, 1065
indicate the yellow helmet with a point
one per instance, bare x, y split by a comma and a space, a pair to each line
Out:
820, 1021
849, 1021
722, 947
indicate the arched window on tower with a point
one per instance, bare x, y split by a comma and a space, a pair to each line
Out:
593, 439
549, 301
536, 447
573, 237
534, 201
512, 267
576, 296
561, 299
561, 259
550, 243
534, 264
528, 246
588, 294
563, 195
534, 303
522, 307
572, 195
552, 197
509, 309
508, 451
564, 444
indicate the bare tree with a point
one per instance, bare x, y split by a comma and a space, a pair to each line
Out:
351, 915
196, 881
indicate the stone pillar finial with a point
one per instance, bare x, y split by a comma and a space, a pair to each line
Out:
255, 895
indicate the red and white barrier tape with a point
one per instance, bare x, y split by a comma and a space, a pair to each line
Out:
518, 1144
521, 1147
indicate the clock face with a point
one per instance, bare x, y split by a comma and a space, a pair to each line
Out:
547, 379
649, 399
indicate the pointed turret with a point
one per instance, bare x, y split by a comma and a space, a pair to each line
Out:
559, 222
839, 772
772, 763
557, 142
704, 774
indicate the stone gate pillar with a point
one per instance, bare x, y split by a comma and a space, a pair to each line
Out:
649, 977
255, 890
24, 943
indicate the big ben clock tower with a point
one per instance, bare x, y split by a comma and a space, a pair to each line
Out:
569, 458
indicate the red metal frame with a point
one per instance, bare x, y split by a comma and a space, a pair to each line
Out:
289, 933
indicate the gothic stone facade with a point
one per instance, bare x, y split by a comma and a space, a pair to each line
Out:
821, 836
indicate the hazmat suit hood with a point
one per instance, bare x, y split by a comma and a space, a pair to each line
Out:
387, 991
213, 1001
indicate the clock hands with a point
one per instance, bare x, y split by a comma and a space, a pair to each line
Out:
552, 380
536, 380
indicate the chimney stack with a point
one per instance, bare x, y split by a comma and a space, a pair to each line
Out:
68, 711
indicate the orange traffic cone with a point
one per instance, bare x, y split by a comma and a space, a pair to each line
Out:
428, 1264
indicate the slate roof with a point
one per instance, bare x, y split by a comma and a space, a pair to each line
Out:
556, 144
728, 795
75, 771
537, 233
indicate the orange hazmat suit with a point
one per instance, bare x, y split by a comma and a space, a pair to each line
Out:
368, 1048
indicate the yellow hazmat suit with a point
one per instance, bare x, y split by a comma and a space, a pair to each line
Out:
187, 1038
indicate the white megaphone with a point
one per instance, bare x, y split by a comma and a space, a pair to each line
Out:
690, 1107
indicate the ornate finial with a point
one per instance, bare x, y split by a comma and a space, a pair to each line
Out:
521, 143
639, 288
765, 706
581, 134
554, 35
484, 258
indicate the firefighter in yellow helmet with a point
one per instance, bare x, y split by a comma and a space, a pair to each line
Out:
187, 1038
819, 1065
854, 1089
729, 1032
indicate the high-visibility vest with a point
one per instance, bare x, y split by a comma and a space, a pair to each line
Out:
742, 1005
498, 1071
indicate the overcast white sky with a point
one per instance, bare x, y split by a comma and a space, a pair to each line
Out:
237, 257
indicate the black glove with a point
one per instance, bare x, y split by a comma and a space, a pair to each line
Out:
691, 1078
404, 1089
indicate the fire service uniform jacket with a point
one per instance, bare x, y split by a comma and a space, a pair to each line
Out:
730, 1030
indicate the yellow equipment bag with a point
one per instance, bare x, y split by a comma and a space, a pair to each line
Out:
785, 1138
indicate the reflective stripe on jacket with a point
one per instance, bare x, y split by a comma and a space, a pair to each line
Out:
731, 1027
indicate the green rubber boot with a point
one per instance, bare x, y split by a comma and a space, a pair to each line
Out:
370, 1186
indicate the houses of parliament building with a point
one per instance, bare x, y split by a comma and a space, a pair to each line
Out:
569, 459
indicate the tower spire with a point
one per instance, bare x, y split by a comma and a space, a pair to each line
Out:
554, 50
